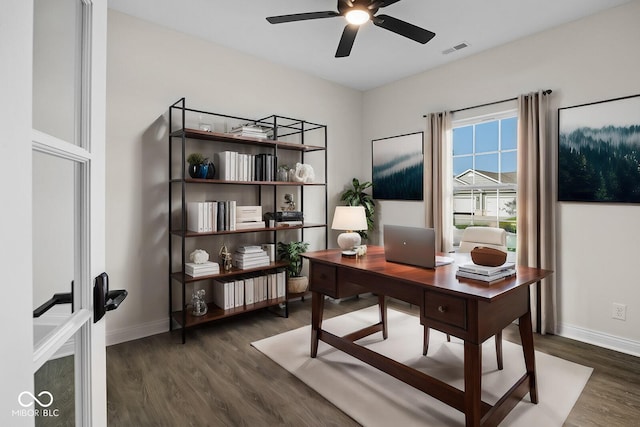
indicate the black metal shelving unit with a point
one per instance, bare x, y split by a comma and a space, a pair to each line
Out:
289, 135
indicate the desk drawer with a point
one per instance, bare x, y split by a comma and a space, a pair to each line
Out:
446, 309
323, 279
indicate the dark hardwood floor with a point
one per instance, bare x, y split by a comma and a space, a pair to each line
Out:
218, 379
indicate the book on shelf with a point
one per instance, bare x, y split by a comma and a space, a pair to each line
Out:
202, 216
288, 223
492, 278
251, 130
249, 225
486, 270
207, 268
250, 255
248, 213
247, 249
249, 289
253, 263
223, 296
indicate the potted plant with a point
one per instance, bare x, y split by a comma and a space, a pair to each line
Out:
200, 166
195, 160
291, 252
355, 196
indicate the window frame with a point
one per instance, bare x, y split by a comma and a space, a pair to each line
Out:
475, 191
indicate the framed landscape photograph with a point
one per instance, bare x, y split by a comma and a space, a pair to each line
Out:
599, 151
398, 167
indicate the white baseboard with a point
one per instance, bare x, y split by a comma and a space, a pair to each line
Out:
600, 339
137, 331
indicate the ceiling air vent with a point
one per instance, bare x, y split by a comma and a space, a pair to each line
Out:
459, 46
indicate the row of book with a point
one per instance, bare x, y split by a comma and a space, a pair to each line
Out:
234, 166
485, 273
203, 217
243, 291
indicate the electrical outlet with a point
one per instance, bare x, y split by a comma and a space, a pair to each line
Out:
619, 311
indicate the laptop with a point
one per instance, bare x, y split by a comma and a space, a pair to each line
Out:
413, 246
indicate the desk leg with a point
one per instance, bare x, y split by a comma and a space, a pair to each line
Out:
472, 383
526, 336
317, 308
382, 303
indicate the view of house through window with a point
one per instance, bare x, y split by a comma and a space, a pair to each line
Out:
484, 174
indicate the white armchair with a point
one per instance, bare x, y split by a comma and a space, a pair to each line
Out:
483, 236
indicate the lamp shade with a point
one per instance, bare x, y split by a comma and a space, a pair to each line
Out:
350, 218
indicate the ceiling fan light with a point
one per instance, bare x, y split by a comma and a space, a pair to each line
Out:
357, 16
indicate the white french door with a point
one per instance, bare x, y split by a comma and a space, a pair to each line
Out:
66, 214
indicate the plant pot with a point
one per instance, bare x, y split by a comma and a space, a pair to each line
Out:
194, 171
211, 171
296, 285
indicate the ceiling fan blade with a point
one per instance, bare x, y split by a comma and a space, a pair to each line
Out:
346, 41
382, 3
403, 28
302, 16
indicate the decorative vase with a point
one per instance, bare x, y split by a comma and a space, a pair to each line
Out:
194, 170
204, 168
211, 170
296, 285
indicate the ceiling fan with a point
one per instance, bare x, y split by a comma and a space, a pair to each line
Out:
358, 12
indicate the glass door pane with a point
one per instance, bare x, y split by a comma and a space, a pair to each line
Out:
54, 389
56, 68
54, 242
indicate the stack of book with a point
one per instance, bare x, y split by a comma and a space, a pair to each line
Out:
249, 217
486, 274
207, 268
250, 257
251, 130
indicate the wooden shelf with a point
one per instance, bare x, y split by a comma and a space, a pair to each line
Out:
251, 230
231, 273
227, 137
216, 313
223, 181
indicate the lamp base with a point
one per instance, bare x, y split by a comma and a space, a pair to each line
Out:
347, 241
349, 254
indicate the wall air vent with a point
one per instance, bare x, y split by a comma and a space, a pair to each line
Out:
459, 46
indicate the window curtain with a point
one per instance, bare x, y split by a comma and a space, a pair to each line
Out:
438, 179
535, 204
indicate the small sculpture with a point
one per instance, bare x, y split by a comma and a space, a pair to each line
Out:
302, 173
288, 201
199, 256
225, 257
198, 305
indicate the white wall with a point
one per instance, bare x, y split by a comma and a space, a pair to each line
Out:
151, 67
592, 59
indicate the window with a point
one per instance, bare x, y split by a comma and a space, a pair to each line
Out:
484, 173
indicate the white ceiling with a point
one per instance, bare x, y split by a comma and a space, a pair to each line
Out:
378, 56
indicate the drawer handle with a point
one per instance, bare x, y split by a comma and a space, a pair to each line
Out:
442, 308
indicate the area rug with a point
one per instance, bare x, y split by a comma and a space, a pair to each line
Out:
373, 398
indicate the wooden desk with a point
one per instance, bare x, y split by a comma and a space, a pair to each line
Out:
469, 310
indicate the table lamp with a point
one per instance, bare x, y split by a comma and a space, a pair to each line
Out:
349, 219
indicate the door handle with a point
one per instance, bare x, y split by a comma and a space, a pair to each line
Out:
61, 298
103, 299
